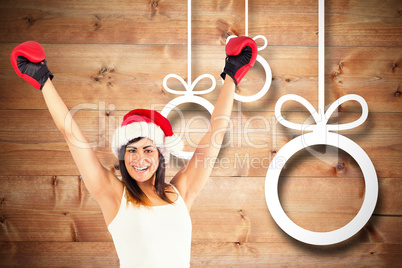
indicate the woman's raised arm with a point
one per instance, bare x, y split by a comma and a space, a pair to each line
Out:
100, 182
241, 56
28, 60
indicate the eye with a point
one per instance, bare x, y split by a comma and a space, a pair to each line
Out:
148, 151
131, 151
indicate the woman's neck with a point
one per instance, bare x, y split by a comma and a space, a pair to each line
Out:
147, 186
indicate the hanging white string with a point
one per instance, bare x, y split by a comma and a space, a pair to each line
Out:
189, 85
261, 60
246, 18
188, 96
321, 57
320, 116
189, 42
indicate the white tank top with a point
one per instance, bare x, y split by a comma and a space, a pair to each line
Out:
158, 236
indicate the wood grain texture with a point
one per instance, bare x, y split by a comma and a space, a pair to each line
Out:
249, 146
285, 23
122, 75
109, 57
97, 254
67, 194
293, 255
60, 209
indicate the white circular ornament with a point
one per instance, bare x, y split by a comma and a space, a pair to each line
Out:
321, 238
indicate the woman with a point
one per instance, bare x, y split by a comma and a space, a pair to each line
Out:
148, 219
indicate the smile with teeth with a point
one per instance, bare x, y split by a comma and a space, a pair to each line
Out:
141, 168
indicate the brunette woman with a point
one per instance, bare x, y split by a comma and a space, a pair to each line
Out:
148, 218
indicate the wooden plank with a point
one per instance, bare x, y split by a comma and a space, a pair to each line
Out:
67, 194
365, 20
249, 146
37, 209
216, 225
120, 75
293, 255
53, 226
123, 22
58, 254
61, 254
54, 194
352, 23
257, 226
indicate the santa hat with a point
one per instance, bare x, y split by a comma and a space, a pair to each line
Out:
148, 124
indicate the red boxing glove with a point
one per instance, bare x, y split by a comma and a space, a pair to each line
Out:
241, 55
28, 61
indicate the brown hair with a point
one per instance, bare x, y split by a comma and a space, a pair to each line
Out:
135, 194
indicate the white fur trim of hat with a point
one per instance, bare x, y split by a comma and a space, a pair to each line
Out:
148, 124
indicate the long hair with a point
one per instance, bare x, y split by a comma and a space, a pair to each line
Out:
135, 194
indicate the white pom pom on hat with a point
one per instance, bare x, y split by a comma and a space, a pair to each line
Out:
148, 124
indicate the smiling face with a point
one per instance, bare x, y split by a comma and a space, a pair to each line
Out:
141, 159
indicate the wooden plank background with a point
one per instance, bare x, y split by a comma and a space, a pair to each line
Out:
109, 57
